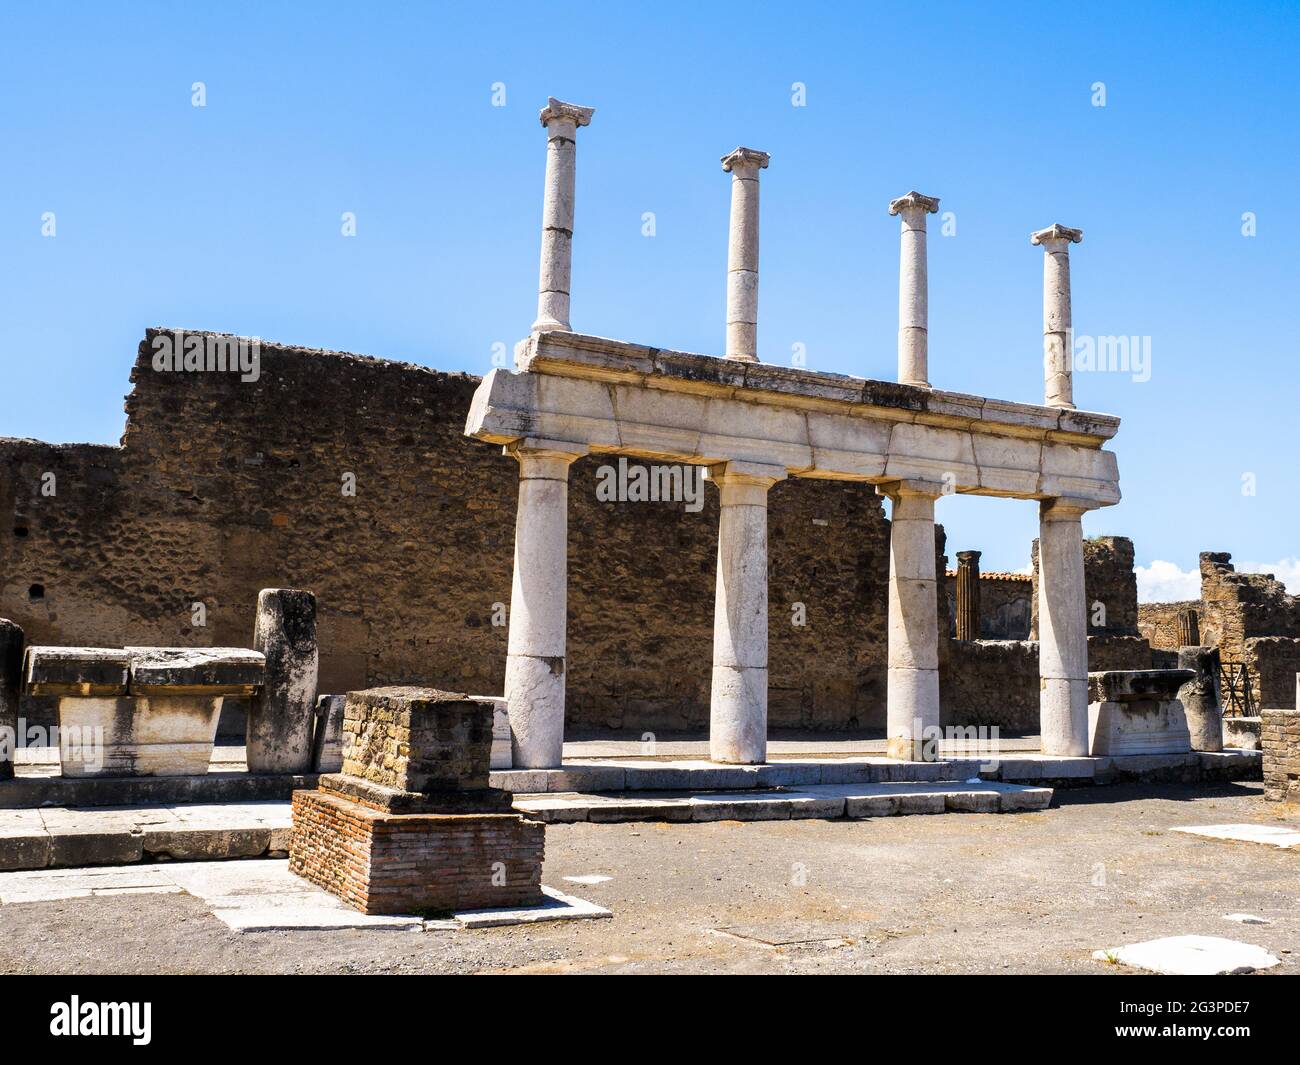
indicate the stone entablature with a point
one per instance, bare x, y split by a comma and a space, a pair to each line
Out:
615, 397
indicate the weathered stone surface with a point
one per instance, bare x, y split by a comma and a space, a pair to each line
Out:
195, 670
280, 717
146, 735
11, 671
1200, 697
1136, 712
87, 671
327, 737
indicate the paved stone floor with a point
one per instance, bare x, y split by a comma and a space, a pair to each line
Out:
1037, 892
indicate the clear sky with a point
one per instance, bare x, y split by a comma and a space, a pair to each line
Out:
229, 216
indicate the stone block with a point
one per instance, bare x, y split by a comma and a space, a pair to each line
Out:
84, 671
417, 739
195, 670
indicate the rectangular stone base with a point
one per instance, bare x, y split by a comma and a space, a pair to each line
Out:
380, 862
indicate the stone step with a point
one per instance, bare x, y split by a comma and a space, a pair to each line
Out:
60, 838
818, 801
698, 775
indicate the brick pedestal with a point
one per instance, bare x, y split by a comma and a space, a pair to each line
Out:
382, 862
1279, 737
410, 825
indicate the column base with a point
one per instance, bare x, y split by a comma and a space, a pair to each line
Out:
738, 716
534, 691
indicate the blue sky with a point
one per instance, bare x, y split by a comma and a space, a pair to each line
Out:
227, 217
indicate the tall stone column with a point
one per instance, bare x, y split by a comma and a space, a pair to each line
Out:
281, 715
1189, 628
561, 122
1062, 627
534, 688
742, 253
968, 595
738, 701
913, 289
913, 686
1058, 336
11, 669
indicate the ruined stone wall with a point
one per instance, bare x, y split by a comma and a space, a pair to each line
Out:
994, 682
223, 487
1159, 622
1273, 662
1237, 606
1108, 580
1005, 608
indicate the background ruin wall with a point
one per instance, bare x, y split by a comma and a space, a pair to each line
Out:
222, 487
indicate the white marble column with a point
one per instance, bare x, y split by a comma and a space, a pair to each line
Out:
1062, 627
913, 289
738, 702
913, 688
561, 121
742, 253
1058, 328
534, 688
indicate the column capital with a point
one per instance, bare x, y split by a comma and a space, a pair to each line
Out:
745, 158
968, 557
558, 109
755, 474
910, 487
531, 449
930, 204
1056, 232
1065, 508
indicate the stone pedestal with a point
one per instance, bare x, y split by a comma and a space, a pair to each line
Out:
280, 719
738, 700
913, 678
1200, 697
140, 711
410, 825
11, 671
1137, 712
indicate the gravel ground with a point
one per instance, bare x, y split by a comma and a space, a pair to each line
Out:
939, 894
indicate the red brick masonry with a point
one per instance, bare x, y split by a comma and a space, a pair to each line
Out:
380, 862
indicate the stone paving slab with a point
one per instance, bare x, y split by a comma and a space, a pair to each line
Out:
263, 896
1272, 835
823, 801
1191, 956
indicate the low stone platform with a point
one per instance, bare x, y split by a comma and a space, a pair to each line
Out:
1061, 771
826, 801
57, 837
703, 775
33, 788
618, 775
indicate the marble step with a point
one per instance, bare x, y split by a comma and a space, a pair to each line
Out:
824, 801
